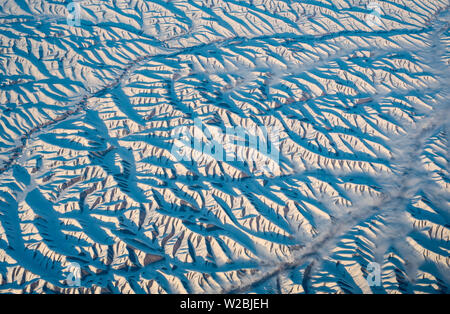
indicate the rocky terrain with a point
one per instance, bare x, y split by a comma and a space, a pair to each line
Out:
92, 91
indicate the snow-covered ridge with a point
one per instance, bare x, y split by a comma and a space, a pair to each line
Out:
90, 96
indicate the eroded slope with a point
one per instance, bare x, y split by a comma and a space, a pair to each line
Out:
88, 174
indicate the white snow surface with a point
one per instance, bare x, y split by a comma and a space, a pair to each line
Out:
88, 175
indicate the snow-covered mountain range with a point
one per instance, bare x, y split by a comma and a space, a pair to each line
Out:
351, 96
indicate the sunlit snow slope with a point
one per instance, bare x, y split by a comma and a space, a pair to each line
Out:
87, 173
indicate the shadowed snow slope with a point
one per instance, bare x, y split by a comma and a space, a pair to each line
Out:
88, 106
